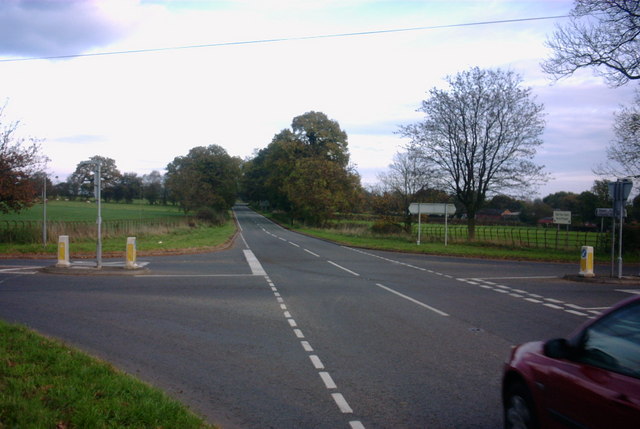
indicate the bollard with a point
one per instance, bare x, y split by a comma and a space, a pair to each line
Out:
131, 253
63, 251
586, 262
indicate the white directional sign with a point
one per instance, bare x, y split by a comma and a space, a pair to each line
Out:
432, 208
562, 218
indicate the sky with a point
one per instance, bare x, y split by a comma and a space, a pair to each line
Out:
147, 107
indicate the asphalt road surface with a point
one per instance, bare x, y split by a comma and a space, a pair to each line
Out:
287, 331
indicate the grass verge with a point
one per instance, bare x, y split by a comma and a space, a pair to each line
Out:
44, 384
181, 239
400, 243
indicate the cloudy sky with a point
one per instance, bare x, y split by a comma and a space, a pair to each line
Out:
146, 107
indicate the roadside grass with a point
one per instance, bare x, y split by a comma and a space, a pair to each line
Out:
362, 237
44, 384
187, 238
402, 243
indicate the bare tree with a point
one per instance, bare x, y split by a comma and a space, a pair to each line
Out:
408, 174
623, 153
601, 34
480, 135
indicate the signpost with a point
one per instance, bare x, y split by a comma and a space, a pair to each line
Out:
618, 192
434, 209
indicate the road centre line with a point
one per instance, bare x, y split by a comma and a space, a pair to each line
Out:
415, 301
338, 398
327, 380
343, 268
310, 252
342, 403
317, 363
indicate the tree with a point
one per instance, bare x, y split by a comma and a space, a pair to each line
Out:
480, 137
407, 176
601, 34
128, 187
505, 202
152, 187
82, 180
20, 160
304, 171
206, 178
623, 153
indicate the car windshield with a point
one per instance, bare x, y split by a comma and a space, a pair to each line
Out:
613, 343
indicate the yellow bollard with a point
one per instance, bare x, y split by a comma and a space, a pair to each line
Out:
586, 262
131, 253
63, 251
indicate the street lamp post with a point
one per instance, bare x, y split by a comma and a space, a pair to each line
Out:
97, 189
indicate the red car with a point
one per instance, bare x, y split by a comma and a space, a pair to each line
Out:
591, 380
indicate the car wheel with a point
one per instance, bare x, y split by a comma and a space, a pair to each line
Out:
518, 408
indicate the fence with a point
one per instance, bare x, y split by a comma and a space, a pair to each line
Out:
546, 238
25, 232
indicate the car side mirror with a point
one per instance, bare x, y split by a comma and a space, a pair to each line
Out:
558, 348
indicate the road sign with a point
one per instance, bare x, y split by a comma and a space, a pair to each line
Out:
562, 217
432, 208
436, 209
604, 212
608, 212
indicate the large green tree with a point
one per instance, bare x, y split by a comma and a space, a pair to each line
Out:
305, 170
207, 177
83, 178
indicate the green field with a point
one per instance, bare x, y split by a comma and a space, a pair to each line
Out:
157, 228
88, 211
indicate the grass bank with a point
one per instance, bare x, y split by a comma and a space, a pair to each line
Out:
44, 384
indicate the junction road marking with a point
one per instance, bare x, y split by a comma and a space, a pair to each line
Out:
343, 268
633, 291
415, 301
254, 264
18, 269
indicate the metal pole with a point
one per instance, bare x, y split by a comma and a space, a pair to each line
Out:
446, 225
44, 211
613, 244
99, 198
419, 221
620, 242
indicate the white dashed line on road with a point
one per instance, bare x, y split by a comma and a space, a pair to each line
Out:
344, 269
415, 301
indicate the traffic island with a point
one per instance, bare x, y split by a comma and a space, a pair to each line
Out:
85, 268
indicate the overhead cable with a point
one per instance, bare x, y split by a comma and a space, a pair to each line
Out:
282, 39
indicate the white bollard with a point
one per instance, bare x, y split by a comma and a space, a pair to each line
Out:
131, 254
63, 251
586, 262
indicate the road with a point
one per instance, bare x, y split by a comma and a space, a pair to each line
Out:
287, 331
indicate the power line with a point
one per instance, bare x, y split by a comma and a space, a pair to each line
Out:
283, 39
